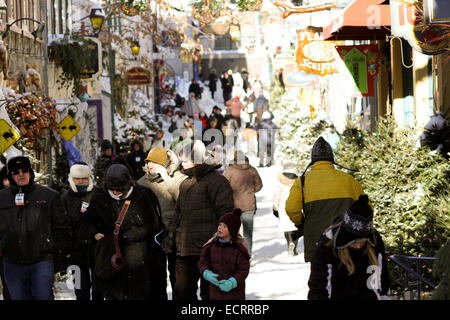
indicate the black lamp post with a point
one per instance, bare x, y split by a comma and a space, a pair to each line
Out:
36, 33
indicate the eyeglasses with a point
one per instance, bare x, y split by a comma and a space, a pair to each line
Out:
16, 172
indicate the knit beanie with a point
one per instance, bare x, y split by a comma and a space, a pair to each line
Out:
321, 151
357, 223
157, 155
233, 221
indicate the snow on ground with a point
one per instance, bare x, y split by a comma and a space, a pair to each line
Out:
275, 275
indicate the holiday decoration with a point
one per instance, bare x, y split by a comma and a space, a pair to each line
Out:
33, 116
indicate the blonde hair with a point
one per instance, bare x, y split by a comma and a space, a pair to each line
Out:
344, 254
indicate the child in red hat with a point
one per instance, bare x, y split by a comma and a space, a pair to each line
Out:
225, 261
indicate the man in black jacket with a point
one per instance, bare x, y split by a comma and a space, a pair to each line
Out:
34, 230
76, 201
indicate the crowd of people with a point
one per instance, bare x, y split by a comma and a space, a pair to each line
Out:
181, 206
181, 218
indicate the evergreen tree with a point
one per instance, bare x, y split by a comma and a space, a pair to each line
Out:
441, 270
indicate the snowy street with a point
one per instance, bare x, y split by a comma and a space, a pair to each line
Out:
275, 275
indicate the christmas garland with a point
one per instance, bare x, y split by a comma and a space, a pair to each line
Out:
32, 115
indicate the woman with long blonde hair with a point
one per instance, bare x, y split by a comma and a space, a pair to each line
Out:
349, 262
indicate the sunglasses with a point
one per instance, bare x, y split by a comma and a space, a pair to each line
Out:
18, 171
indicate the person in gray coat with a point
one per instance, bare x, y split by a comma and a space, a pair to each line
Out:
163, 176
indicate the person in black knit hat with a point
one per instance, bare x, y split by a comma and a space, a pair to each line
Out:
320, 195
349, 262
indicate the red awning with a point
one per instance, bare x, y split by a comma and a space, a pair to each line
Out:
361, 20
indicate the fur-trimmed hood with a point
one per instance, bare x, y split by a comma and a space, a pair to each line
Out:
287, 178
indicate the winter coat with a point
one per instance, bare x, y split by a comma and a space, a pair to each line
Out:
100, 168
204, 197
37, 231
212, 82
235, 106
190, 107
139, 279
195, 88
167, 192
245, 181
136, 159
82, 251
226, 260
266, 132
329, 278
328, 193
285, 181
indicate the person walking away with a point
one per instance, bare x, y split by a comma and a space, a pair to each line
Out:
140, 277
349, 262
205, 196
236, 106
212, 82
4, 183
266, 139
260, 105
136, 158
76, 201
163, 177
224, 261
35, 234
245, 181
285, 180
191, 105
327, 193
246, 86
103, 162
227, 86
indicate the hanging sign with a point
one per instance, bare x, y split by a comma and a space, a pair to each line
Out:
406, 23
138, 75
436, 11
314, 55
94, 70
8, 136
362, 62
68, 128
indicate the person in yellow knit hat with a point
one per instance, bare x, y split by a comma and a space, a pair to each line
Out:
327, 194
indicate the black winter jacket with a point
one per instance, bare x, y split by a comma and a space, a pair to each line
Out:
139, 278
36, 231
329, 279
82, 251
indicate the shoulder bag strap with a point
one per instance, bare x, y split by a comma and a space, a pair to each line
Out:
119, 221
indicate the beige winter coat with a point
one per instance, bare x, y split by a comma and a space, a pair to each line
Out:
245, 182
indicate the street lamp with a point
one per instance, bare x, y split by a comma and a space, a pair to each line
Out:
36, 33
135, 47
96, 16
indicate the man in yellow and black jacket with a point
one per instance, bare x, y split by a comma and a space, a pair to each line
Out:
328, 193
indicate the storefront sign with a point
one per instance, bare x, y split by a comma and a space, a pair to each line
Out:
95, 54
138, 76
436, 11
427, 39
363, 63
314, 55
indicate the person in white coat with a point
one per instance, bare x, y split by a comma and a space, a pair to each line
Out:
285, 180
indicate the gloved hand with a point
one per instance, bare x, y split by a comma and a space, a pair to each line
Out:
227, 285
275, 212
211, 277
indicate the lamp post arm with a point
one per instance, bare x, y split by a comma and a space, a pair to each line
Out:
8, 26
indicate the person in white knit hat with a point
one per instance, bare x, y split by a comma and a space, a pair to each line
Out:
76, 201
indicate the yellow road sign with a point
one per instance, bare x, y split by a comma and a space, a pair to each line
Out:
8, 136
68, 128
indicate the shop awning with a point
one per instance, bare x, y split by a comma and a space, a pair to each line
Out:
361, 20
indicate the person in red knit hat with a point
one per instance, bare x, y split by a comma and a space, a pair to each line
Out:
225, 261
